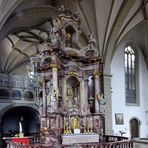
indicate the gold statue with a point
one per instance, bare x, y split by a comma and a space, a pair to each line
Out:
76, 123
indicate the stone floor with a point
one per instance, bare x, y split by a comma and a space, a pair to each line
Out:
140, 145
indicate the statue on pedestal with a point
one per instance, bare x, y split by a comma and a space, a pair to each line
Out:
91, 103
76, 125
53, 101
70, 97
102, 103
72, 100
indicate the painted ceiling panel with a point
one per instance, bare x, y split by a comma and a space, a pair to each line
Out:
98, 16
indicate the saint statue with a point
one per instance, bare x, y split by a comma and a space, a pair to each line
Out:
53, 100
102, 102
70, 95
70, 92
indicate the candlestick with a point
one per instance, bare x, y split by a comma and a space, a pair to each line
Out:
20, 127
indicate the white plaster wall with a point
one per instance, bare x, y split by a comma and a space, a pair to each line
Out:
118, 94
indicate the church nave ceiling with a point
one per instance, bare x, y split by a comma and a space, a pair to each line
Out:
111, 22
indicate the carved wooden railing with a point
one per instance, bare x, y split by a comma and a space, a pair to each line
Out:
15, 145
119, 142
110, 138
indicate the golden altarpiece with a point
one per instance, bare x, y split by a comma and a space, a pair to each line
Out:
70, 106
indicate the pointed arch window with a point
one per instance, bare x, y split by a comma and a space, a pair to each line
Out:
130, 75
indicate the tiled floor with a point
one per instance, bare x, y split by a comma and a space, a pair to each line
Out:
140, 145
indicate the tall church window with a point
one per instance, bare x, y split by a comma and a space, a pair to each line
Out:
130, 75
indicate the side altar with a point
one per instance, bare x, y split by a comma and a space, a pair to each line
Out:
71, 102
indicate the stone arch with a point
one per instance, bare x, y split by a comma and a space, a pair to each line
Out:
28, 95
134, 47
13, 115
4, 110
16, 93
4, 92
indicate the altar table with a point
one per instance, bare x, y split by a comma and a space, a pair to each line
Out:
79, 138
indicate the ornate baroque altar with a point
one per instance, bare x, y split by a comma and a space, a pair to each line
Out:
70, 105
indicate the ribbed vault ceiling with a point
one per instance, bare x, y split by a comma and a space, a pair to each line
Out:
111, 21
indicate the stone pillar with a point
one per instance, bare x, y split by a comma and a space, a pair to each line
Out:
55, 76
108, 107
97, 91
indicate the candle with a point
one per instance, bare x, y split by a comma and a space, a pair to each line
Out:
20, 127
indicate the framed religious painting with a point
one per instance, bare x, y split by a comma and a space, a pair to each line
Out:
119, 118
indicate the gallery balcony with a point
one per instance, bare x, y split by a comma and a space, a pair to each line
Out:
16, 88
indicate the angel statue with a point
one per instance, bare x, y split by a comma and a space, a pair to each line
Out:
102, 102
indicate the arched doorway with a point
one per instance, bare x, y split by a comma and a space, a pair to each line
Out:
134, 126
28, 117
